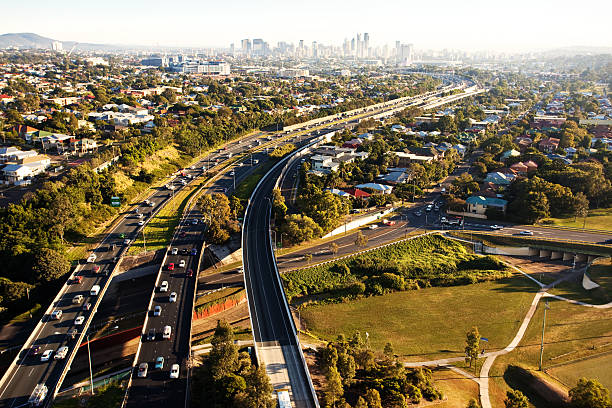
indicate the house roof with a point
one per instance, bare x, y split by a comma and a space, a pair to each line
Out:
375, 186
355, 192
480, 200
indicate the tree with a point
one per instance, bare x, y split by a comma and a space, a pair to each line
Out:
346, 367
333, 248
333, 389
236, 206
223, 357
361, 403
581, 205
473, 404
372, 396
472, 345
258, 389
300, 228
516, 399
361, 240
279, 207
49, 265
388, 350
590, 394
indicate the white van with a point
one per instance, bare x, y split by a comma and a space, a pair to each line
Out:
95, 289
167, 332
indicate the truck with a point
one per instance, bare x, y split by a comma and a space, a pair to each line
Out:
38, 395
283, 398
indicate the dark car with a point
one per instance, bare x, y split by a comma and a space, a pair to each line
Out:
72, 333
189, 273
151, 335
34, 350
194, 251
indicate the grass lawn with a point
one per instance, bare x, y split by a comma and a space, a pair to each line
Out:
158, 232
601, 273
246, 187
572, 332
456, 389
429, 323
595, 367
599, 219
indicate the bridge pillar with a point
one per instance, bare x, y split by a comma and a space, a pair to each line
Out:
580, 258
568, 256
556, 255
534, 251
544, 253
591, 258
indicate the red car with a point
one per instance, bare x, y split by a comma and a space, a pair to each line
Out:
189, 273
78, 279
170, 266
96, 269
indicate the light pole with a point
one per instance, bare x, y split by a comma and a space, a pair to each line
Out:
144, 240
90, 370
546, 307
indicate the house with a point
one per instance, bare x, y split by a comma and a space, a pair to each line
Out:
357, 193
328, 158
406, 158
26, 168
7, 152
83, 145
323, 163
380, 188
479, 204
531, 165
523, 142
23, 130
510, 153
499, 179
549, 144
396, 176
339, 193
520, 168
353, 143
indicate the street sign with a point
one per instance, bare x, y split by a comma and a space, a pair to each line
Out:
115, 201
484, 339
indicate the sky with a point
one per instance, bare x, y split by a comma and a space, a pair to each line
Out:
471, 25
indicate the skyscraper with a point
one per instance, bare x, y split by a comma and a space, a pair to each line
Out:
366, 45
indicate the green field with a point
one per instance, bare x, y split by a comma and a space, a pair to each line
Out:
456, 389
599, 219
429, 323
597, 367
601, 273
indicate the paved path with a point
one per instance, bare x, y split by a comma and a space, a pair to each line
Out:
483, 379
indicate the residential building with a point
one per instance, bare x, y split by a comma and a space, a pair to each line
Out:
379, 188
549, 144
478, 204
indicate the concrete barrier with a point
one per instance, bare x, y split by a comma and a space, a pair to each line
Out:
506, 250
554, 255
359, 222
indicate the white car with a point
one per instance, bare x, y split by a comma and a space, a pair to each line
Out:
174, 371
174, 251
140, 223
373, 226
46, 355
164, 286
167, 332
61, 353
497, 227
182, 263
157, 311
79, 320
172, 297
525, 232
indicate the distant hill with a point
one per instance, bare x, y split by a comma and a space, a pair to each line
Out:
578, 50
24, 40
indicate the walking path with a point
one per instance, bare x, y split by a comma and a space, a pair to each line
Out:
483, 379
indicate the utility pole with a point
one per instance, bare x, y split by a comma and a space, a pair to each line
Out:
90, 370
144, 240
546, 307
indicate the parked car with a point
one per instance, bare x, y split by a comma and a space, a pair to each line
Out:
174, 371
157, 311
77, 280
46, 355
171, 266
182, 263
174, 251
79, 320
141, 223
189, 273
194, 251
34, 350
96, 268
373, 226
77, 299
164, 286
56, 315
72, 333
142, 370
61, 353
172, 297
86, 306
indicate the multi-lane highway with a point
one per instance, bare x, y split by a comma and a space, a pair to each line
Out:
28, 370
167, 327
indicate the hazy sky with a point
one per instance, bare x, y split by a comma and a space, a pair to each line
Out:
507, 25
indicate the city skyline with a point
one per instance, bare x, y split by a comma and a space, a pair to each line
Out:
472, 26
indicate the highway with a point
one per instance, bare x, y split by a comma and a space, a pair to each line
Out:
273, 328
27, 370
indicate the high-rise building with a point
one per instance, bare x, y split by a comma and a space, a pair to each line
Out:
366, 44
57, 46
246, 46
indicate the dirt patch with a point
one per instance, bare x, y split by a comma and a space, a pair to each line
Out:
539, 391
141, 260
318, 378
237, 316
542, 269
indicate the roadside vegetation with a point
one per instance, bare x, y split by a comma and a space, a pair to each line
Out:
422, 262
228, 378
355, 374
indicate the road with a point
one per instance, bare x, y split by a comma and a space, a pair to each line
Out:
157, 389
273, 327
28, 371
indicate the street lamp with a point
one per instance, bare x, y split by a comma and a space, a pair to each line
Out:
546, 307
90, 370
